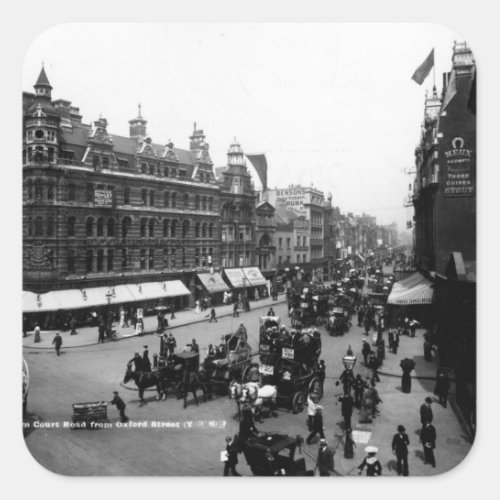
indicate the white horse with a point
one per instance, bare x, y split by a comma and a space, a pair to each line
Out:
256, 396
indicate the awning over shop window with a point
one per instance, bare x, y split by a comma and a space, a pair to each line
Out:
255, 276
97, 296
43, 302
213, 282
413, 290
237, 277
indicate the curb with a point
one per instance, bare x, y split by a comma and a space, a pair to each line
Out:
150, 332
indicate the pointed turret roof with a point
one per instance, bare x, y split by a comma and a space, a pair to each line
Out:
42, 79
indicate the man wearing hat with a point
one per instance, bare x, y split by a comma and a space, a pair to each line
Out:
171, 344
324, 461
365, 351
371, 462
120, 405
400, 443
426, 411
232, 458
428, 439
146, 363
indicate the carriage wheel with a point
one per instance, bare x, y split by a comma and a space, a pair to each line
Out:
298, 402
315, 386
244, 377
179, 390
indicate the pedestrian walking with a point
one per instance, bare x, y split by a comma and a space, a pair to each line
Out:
72, 324
321, 374
236, 314
197, 308
57, 341
347, 404
428, 439
212, 316
171, 344
120, 406
359, 387
365, 350
231, 458
395, 342
400, 442
426, 414
172, 311
317, 425
427, 348
371, 462
146, 362
373, 364
349, 444
442, 387
325, 462
122, 317
38, 337
101, 329
139, 327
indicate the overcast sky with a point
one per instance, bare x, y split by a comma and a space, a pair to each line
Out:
330, 104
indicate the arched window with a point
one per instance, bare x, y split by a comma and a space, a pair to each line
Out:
143, 227
174, 200
111, 227
30, 226
39, 226
90, 226
89, 261
211, 230
100, 226
151, 228
185, 228
126, 225
166, 199
204, 230
166, 224
186, 200
174, 228
151, 198
197, 230
71, 226
71, 192
38, 189
50, 226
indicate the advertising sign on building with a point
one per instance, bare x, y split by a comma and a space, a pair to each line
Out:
459, 170
103, 197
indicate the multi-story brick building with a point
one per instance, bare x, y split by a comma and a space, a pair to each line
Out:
103, 209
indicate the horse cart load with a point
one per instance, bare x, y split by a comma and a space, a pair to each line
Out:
89, 414
273, 454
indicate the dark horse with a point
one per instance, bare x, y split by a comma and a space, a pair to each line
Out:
145, 380
191, 382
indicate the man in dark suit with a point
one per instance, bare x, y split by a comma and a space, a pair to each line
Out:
428, 439
426, 411
146, 362
120, 405
400, 443
232, 458
325, 458
347, 404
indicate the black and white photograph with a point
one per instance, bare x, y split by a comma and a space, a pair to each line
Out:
249, 249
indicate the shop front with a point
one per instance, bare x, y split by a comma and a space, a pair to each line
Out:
211, 287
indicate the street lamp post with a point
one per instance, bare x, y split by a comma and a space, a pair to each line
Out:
349, 361
109, 322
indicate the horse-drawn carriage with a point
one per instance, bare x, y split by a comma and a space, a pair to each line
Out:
273, 454
338, 322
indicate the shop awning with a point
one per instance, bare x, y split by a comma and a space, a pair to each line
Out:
254, 276
416, 289
158, 290
43, 302
236, 277
213, 282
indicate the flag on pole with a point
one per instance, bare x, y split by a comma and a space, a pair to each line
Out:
260, 164
424, 69
451, 90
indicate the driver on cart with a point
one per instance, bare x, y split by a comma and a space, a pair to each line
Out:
253, 374
242, 332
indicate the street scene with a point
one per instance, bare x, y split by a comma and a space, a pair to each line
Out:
220, 301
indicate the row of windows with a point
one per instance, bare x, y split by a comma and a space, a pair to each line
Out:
38, 154
102, 227
101, 260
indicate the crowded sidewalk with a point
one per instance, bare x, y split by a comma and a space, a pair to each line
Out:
88, 335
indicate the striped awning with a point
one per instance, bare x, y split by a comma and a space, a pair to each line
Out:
213, 282
416, 289
254, 276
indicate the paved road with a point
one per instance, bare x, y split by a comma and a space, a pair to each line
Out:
92, 373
